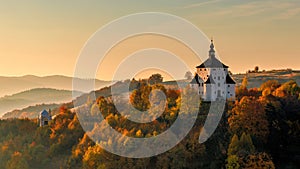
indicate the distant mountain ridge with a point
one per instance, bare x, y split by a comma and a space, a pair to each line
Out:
34, 96
12, 85
30, 112
254, 81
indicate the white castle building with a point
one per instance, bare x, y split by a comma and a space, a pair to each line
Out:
212, 80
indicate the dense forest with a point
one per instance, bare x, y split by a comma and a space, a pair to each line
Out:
260, 129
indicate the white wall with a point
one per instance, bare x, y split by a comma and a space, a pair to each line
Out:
231, 92
211, 91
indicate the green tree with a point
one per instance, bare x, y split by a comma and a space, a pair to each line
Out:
246, 145
233, 146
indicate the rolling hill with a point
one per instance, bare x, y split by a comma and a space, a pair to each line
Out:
30, 111
254, 81
33, 97
12, 85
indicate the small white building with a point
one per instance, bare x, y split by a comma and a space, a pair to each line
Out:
44, 118
212, 80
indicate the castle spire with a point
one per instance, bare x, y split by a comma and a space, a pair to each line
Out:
212, 49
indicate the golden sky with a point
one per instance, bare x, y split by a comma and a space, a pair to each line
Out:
45, 37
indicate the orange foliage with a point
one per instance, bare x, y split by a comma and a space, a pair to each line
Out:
249, 116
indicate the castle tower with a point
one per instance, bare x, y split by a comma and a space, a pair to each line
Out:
212, 78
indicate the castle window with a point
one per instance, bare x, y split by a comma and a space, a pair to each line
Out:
219, 78
219, 84
228, 92
228, 85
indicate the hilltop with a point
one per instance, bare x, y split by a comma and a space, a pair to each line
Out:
255, 79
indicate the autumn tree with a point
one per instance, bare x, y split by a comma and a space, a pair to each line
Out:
155, 79
140, 97
283, 114
242, 146
17, 161
244, 82
233, 146
269, 87
288, 89
257, 160
188, 75
239, 150
256, 69
232, 162
242, 89
249, 116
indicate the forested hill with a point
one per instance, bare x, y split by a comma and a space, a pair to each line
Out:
255, 80
259, 130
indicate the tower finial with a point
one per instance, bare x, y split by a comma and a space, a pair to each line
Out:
212, 50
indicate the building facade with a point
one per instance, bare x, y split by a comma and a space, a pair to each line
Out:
44, 118
212, 80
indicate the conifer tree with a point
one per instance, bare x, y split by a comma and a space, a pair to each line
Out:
234, 145
246, 144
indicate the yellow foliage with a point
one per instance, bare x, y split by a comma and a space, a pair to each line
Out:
139, 133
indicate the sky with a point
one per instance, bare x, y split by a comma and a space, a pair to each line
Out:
42, 37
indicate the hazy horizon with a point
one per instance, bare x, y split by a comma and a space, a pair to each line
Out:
45, 38
138, 77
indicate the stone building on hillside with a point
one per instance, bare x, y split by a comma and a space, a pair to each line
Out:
44, 117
